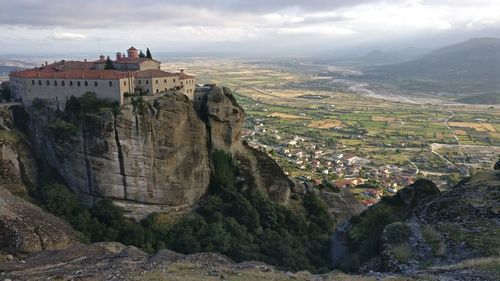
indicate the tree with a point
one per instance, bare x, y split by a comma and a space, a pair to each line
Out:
141, 54
109, 64
148, 54
5, 93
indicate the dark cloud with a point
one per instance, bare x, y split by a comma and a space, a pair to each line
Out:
96, 13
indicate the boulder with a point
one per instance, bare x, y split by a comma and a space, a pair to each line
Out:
26, 228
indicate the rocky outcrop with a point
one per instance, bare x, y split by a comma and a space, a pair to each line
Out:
113, 261
444, 229
26, 228
18, 169
153, 156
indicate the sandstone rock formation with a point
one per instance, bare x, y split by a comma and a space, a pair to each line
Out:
18, 169
26, 228
155, 156
442, 229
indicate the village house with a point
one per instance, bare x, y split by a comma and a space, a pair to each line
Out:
129, 74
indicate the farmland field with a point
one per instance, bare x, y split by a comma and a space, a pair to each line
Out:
290, 100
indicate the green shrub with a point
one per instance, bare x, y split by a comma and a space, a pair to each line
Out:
397, 232
38, 103
434, 239
402, 252
61, 130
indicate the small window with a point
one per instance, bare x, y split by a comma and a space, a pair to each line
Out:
174, 80
110, 84
156, 82
70, 83
86, 84
40, 82
147, 91
157, 90
165, 81
48, 83
55, 83
95, 83
140, 82
124, 83
78, 84
63, 83
32, 82
147, 81
165, 89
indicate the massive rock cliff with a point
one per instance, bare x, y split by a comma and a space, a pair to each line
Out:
153, 156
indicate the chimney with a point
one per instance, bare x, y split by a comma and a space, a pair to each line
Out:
101, 57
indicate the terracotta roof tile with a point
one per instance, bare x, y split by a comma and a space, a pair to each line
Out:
153, 73
71, 74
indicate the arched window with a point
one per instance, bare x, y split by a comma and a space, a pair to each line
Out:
124, 83
140, 82
165, 81
110, 83
39, 82
156, 81
86, 83
147, 81
32, 82
55, 83
70, 83
147, 91
95, 83
63, 83
157, 90
48, 83
78, 84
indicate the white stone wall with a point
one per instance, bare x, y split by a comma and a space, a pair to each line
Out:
46, 88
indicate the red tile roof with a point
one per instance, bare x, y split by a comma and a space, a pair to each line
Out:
153, 73
134, 60
184, 76
132, 49
71, 74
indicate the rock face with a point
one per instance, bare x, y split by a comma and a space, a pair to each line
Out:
442, 229
18, 169
26, 228
152, 157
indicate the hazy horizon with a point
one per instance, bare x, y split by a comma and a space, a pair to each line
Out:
241, 28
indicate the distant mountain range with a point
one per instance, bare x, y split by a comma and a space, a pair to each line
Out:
471, 66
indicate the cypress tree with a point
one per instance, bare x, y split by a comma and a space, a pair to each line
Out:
148, 54
109, 64
141, 54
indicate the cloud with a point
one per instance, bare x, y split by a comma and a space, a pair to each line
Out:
278, 22
68, 36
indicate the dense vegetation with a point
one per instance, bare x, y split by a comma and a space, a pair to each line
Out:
243, 224
65, 124
5, 93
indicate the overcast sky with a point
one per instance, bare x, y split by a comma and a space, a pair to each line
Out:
247, 26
